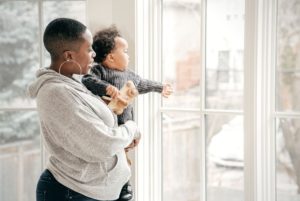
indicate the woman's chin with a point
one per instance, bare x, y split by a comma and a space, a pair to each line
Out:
87, 69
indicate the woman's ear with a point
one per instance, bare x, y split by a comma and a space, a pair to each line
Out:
68, 55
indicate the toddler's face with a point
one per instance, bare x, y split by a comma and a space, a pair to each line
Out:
120, 55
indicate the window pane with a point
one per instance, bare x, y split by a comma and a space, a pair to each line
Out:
181, 156
181, 51
19, 155
18, 50
288, 159
225, 158
20, 158
288, 56
70, 9
224, 54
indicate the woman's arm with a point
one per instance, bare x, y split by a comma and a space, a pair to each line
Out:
76, 127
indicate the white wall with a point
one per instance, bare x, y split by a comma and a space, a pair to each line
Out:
103, 13
99, 14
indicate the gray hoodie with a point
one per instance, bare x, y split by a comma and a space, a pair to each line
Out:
80, 133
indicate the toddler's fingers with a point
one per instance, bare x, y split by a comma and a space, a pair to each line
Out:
114, 94
165, 95
109, 90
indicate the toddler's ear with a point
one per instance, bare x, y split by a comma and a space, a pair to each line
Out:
110, 57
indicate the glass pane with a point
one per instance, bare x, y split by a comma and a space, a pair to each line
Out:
18, 50
181, 52
69, 9
288, 159
288, 56
225, 158
19, 155
181, 156
224, 54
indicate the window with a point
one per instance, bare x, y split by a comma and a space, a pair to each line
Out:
21, 25
203, 70
223, 67
230, 130
288, 101
181, 66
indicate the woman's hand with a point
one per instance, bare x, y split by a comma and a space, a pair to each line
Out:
133, 144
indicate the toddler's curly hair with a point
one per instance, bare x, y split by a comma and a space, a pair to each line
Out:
104, 42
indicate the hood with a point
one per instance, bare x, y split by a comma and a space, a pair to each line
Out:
46, 75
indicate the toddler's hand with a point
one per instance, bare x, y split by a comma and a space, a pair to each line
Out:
167, 90
112, 91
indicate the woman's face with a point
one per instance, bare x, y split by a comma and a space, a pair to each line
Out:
85, 55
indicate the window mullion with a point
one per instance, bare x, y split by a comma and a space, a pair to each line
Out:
142, 156
259, 101
41, 62
202, 101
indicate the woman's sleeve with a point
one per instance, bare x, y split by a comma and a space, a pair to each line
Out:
77, 129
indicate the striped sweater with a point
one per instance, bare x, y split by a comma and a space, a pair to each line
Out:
101, 77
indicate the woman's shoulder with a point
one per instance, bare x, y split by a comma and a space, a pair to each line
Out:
54, 91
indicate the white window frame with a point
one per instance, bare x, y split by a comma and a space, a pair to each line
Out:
148, 52
259, 101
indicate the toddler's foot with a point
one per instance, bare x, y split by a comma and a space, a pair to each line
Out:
126, 193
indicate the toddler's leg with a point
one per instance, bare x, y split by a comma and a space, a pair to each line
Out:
126, 193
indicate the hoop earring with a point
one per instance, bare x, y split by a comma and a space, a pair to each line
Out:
68, 60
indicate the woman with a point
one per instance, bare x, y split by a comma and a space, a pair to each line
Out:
85, 145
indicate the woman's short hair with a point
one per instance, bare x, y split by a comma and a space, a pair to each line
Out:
104, 42
63, 34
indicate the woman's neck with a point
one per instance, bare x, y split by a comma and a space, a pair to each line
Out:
61, 69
